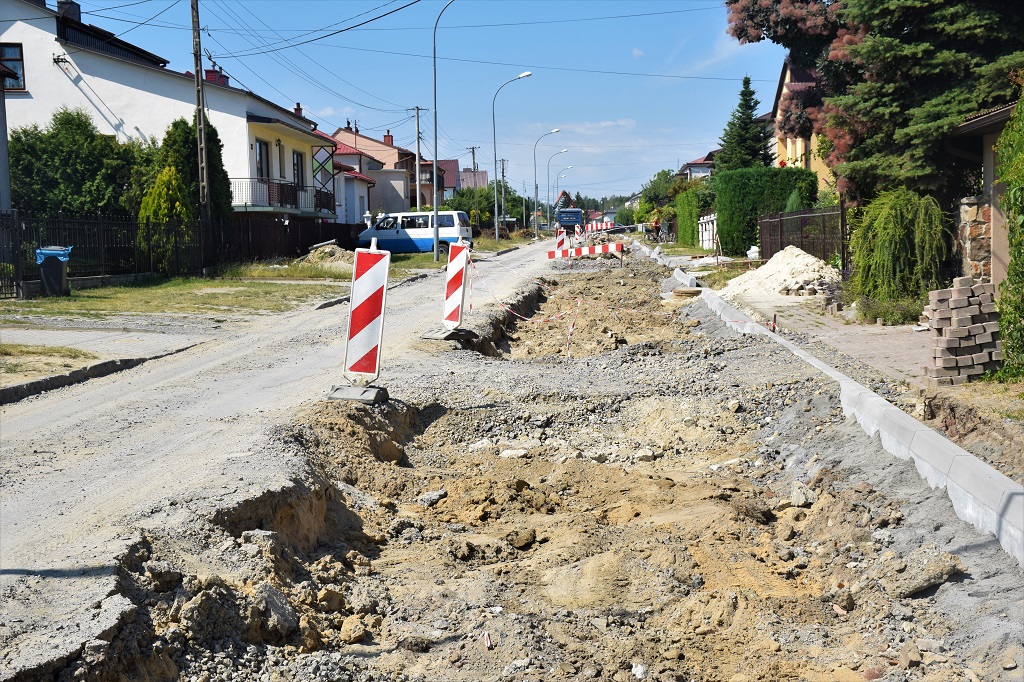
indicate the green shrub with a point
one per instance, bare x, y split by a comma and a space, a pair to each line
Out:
898, 245
1010, 170
165, 207
899, 311
687, 215
741, 196
794, 202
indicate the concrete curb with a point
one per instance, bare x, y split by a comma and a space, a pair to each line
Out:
981, 496
332, 302
502, 252
12, 394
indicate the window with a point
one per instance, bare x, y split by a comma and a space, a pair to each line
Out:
262, 159
280, 160
299, 168
12, 57
445, 220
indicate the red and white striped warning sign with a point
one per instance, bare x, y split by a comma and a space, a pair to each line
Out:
455, 284
600, 227
559, 239
613, 247
366, 314
579, 234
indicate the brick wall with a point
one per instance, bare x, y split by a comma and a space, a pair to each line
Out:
965, 331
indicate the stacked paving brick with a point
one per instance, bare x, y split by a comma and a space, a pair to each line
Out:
965, 327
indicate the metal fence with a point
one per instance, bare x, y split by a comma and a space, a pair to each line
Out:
820, 232
101, 245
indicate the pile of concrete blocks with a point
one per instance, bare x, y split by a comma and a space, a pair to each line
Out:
965, 330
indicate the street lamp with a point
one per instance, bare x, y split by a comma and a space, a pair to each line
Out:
437, 247
494, 135
536, 223
556, 184
549, 184
558, 177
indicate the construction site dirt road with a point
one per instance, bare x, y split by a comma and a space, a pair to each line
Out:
650, 496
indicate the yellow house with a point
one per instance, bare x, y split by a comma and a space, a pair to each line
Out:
797, 148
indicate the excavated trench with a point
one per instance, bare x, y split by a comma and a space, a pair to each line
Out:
671, 502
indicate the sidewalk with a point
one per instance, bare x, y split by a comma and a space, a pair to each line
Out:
896, 351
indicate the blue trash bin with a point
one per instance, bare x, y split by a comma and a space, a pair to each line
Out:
53, 270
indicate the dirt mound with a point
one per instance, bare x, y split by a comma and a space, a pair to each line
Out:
329, 255
787, 268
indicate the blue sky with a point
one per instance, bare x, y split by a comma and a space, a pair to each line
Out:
634, 87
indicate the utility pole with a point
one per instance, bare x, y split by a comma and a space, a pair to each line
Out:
476, 207
502, 193
525, 223
419, 205
204, 186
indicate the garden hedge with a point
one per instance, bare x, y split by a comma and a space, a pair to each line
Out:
741, 196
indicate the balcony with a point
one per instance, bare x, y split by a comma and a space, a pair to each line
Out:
278, 194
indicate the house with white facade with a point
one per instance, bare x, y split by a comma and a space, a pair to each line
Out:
281, 170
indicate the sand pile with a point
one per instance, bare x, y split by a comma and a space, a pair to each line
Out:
787, 269
331, 256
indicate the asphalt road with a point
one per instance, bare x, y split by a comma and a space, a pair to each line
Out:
84, 469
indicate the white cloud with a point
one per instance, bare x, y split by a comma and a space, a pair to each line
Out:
726, 47
637, 53
330, 111
597, 127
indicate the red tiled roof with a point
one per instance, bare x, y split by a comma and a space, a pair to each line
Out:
450, 166
360, 176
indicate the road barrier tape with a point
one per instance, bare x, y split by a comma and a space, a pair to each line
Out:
572, 327
366, 314
455, 284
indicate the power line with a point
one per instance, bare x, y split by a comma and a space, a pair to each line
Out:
113, 37
322, 67
326, 35
541, 66
304, 31
289, 65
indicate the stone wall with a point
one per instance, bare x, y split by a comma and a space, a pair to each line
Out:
974, 237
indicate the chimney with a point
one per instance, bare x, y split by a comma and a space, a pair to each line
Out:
69, 9
298, 109
356, 123
389, 139
348, 125
215, 76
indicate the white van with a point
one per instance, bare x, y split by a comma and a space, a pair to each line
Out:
410, 232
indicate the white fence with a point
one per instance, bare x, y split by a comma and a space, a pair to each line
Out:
707, 232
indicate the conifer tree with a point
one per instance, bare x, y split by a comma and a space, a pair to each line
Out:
745, 140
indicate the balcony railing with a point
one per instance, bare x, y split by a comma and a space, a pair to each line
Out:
277, 193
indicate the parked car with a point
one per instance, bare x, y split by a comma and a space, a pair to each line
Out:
414, 232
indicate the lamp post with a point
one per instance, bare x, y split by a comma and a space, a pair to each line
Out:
556, 183
549, 184
536, 205
494, 136
434, 202
559, 176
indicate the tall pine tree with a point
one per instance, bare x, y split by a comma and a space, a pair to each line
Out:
745, 141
